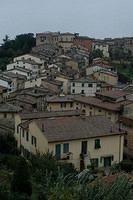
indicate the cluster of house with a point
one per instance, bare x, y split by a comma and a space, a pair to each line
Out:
53, 100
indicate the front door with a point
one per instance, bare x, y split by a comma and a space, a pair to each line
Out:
58, 151
107, 161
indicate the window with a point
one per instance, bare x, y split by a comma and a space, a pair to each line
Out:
33, 141
73, 91
97, 144
90, 85
84, 147
27, 136
82, 91
71, 104
5, 115
97, 90
66, 148
99, 110
73, 84
42, 39
63, 105
58, 151
98, 85
94, 162
82, 84
83, 111
125, 142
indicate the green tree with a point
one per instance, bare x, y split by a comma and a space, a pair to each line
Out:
21, 182
8, 144
4, 194
22, 44
6, 39
97, 53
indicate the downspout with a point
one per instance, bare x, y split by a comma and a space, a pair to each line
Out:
20, 140
120, 149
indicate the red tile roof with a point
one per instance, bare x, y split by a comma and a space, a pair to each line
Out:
74, 128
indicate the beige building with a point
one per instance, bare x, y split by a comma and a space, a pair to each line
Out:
64, 40
8, 111
30, 99
47, 38
77, 140
106, 76
65, 83
102, 47
3, 93
73, 64
30, 57
110, 104
60, 103
127, 123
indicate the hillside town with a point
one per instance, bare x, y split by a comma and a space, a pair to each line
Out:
67, 97
87, 104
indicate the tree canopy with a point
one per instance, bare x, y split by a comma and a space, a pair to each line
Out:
22, 44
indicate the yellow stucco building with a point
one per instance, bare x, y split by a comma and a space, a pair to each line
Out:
72, 139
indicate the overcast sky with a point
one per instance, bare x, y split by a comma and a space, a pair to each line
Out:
95, 18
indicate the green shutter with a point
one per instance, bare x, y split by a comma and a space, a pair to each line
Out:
66, 148
58, 151
97, 144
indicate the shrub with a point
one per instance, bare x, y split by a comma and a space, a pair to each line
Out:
126, 165
4, 194
21, 182
9, 161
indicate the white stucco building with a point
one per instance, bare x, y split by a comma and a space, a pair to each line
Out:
104, 48
85, 87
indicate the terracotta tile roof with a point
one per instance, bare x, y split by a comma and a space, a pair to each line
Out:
3, 89
13, 75
73, 128
6, 126
59, 99
85, 80
5, 79
113, 94
108, 73
20, 69
9, 108
93, 101
29, 61
39, 115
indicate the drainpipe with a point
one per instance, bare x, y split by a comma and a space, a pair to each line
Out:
120, 149
20, 139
